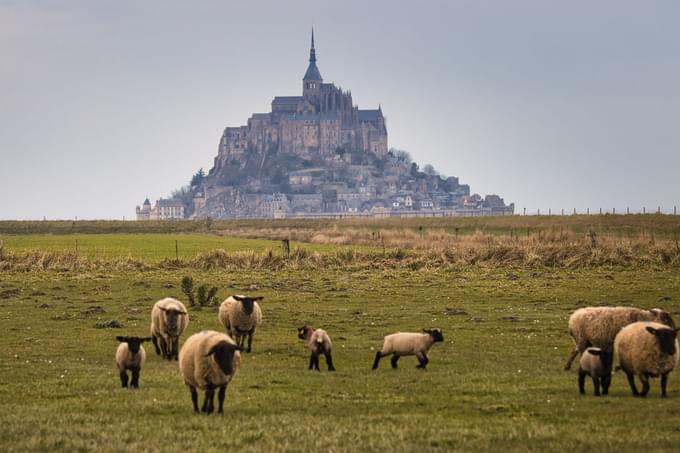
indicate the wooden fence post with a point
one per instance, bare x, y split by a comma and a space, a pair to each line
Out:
176, 249
2, 245
285, 244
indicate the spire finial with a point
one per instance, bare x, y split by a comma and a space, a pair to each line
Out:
312, 51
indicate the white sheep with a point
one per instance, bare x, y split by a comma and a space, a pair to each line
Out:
318, 343
169, 319
209, 360
598, 326
240, 316
404, 343
130, 355
596, 363
647, 349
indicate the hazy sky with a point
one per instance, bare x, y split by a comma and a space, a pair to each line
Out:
556, 104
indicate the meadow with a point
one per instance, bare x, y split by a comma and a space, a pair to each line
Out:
496, 382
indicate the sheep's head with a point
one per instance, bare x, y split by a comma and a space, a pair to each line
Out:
435, 333
304, 332
666, 338
172, 317
223, 354
133, 342
606, 356
248, 302
663, 317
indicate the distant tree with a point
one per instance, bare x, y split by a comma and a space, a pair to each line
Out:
414, 169
403, 156
197, 178
429, 170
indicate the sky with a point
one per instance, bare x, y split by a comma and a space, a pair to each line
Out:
549, 104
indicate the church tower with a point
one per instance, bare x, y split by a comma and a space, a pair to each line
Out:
311, 82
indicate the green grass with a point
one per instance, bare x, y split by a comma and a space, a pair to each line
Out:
495, 383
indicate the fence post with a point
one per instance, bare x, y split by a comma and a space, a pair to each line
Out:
643, 210
2, 245
525, 211
549, 212
587, 211
538, 212
285, 244
658, 210
600, 211
574, 211
76, 245
627, 210
176, 249
562, 211
675, 210
613, 210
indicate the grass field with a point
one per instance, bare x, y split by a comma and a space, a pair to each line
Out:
495, 383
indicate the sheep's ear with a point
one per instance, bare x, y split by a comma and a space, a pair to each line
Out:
427, 331
121, 338
651, 330
183, 312
238, 298
163, 309
258, 298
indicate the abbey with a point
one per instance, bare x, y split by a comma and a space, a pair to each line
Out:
322, 120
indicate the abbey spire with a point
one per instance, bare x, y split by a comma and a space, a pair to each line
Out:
312, 74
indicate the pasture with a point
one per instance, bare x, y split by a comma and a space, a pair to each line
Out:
495, 382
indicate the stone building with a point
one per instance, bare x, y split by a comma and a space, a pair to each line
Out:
322, 120
164, 209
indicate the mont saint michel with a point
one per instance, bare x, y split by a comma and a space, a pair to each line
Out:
315, 155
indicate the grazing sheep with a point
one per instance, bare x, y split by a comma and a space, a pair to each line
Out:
130, 355
169, 319
241, 315
404, 343
209, 360
647, 349
318, 342
596, 363
598, 326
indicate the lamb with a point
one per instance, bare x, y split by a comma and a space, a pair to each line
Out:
130, 355
240, 316
647, 349
596, 363
209, 360
169, 319
318, 342
598, 326
404, 343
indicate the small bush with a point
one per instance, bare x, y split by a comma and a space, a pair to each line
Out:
112, 324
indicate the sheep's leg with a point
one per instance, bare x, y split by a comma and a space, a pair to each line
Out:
571, 358
135, 377
311, 361
645, 384
394, 360
606, 382
220, 399
175, 348
631, 382
155, 343
208, 404
596, 384
378, 355
581, 381
422, 358
194, 398
316, 360
124, 378
664, 383
329, 361
250, 340
164, 348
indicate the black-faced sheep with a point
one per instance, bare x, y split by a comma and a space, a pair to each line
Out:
318, 343
596, 363
404, 343
209, 360
598, 326
647, 349
240, 316
130, 355
169, 319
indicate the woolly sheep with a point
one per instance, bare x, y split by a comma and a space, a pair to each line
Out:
647, 349
240, 316
169, 319
596, 363
130, 355
598, 326
318, 342
404, 343
209, 360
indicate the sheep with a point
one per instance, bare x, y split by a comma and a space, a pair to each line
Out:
318, 342
647, 349
169, 319
598, 326
209, 360
596, 363
130, 355
404, 343
240, 316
